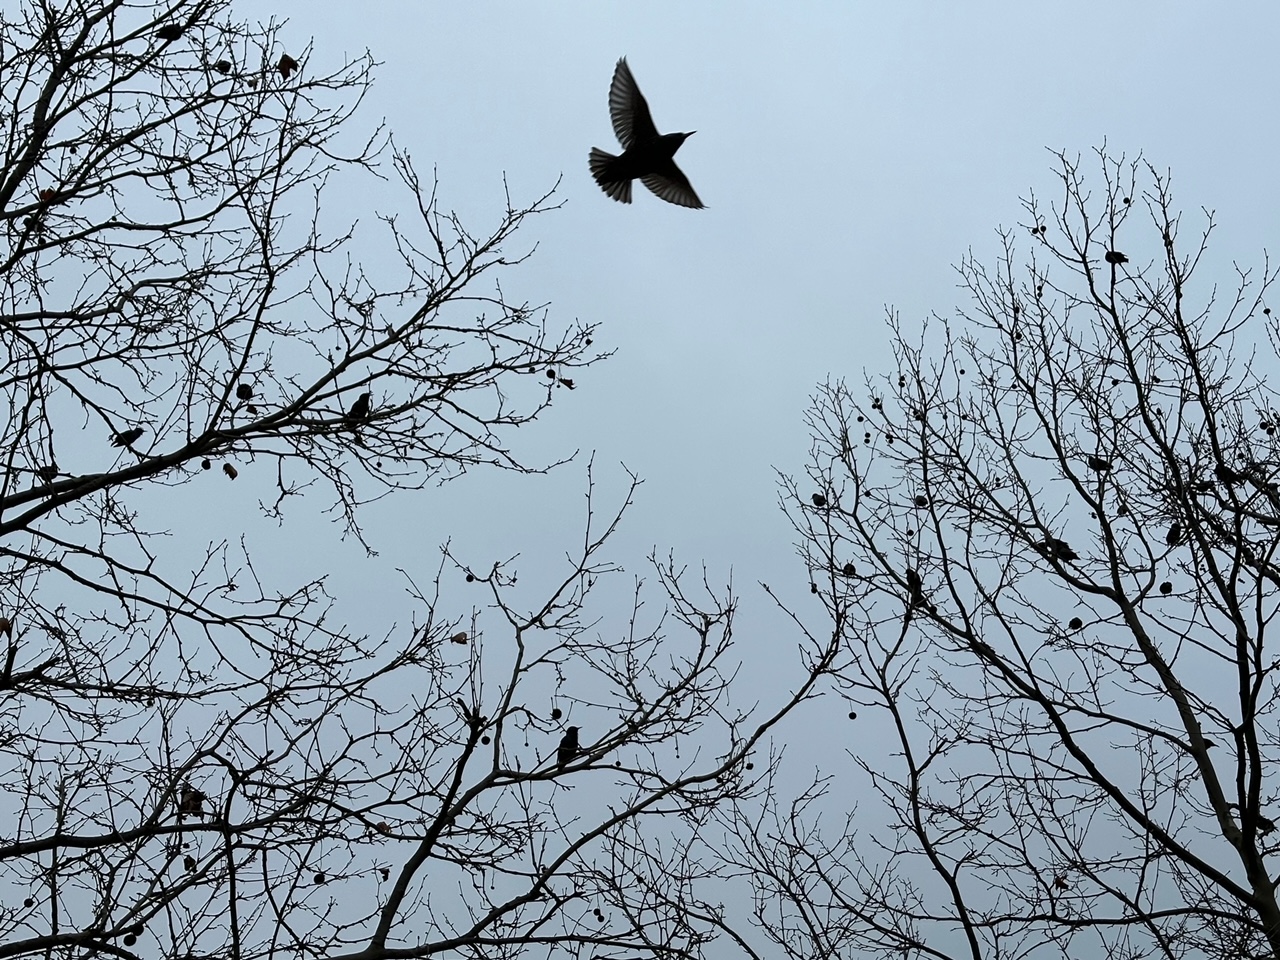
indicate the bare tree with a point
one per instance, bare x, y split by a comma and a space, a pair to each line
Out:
201, 761
1049, 540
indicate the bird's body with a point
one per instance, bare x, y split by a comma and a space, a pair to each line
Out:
646, 154
1100, 464
127, 438
191, 802
1115, 258
915, 588
1227, 475
1174, 536
568, 748
359, 411
1056, 549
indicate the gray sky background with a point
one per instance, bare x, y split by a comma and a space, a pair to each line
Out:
848, 153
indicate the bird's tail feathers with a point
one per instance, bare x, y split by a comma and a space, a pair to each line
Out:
600, 162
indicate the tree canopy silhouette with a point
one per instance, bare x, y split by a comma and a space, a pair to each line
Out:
1080, 471
205, 760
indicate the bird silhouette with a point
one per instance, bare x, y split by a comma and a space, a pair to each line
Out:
1056, 549
646, 154
1115, 257
1174, 536
1100, 464
191, 802
170, 31
1227, 475
127, 438
568, 748
915, 588
359, 411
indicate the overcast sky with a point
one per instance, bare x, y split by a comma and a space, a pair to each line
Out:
848, 154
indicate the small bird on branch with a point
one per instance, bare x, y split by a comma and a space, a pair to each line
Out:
127, 438
359, 411
568, 748
1056, 549
191, 802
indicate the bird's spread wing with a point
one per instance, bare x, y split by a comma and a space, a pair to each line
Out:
673, 187
628, 110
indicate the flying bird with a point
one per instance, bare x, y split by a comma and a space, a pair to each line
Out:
127, 438
646, 154
568, 748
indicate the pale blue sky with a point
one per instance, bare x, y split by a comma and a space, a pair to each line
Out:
848, 153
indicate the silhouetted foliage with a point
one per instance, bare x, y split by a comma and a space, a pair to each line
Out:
204, 760
1107, 789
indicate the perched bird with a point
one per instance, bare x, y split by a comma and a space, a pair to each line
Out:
1115, 257
1056, 549
1076, 623
286, 66
127, 438
244, 392
1174, 536
170, 31
819, 500
568, 748
915, 588
646, 154
1227, 475
1265, 824
359, 411
1100, 464
191, 801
